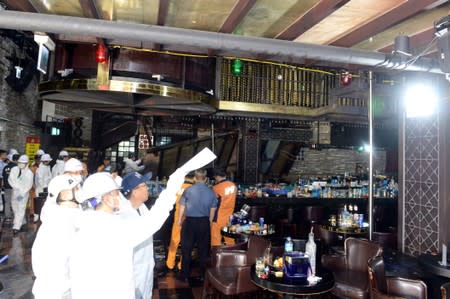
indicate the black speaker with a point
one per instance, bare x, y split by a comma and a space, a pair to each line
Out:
29, 69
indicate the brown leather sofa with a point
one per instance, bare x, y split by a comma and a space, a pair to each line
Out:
350, 269
384, 287
231, 273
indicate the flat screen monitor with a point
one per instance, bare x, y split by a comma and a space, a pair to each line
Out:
43, 57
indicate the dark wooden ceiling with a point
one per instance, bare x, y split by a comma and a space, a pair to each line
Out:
363, 24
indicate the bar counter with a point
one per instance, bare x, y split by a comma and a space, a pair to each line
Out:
309, 201
303, 209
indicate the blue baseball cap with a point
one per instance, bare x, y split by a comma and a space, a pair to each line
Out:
132, 180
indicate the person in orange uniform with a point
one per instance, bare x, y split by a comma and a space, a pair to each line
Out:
176, 228
226, 193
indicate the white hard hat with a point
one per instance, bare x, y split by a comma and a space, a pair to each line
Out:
63, 154
60, 183
40, 152
13, 151
23, 159
98, 184
46, 157
73, 165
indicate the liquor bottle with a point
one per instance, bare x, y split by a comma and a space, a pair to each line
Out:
288, 245
310, 250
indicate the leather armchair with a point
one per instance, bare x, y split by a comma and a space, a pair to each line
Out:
231, 273
350, 269
384, 287
445, 289
215, 249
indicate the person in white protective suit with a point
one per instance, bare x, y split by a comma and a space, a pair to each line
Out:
134, 188
40, 152
21, 180
74, 168
101, 262
131, 164
43, 174
58, 168
13, 151
53, 243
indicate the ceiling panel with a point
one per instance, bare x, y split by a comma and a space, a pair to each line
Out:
67, 7
267, 18
411, 26
352, 15
136, 11
206, 15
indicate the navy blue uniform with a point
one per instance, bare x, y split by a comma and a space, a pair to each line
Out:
198, 201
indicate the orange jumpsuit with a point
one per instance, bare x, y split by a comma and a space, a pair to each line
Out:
33, 194
176, 230
226, 193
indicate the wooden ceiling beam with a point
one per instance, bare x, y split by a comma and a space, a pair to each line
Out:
21, 5
90, 9
313, 16
162, 12
239, 11
383, 22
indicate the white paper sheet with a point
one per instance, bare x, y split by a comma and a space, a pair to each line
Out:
204, 157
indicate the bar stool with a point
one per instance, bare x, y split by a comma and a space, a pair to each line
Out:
310, 215
286, 229
386, 239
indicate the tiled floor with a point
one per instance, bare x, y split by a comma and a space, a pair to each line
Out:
17, 276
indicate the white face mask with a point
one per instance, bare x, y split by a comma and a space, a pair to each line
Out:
22, 165
77, 178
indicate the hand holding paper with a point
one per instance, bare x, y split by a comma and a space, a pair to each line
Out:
204, 157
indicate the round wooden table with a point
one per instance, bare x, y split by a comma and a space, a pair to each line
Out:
244, 235
291, 288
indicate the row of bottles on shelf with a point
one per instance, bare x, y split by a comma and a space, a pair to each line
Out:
347, 217
333, 187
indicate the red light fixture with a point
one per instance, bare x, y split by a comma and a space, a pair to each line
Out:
346, 78
101, 53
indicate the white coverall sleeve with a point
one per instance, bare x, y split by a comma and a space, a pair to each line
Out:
134, 165
13, 177
22, 183
55, 170
143, 227
40, 177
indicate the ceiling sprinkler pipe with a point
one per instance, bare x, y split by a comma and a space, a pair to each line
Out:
286, 50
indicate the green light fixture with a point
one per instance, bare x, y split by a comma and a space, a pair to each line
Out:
237, 67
